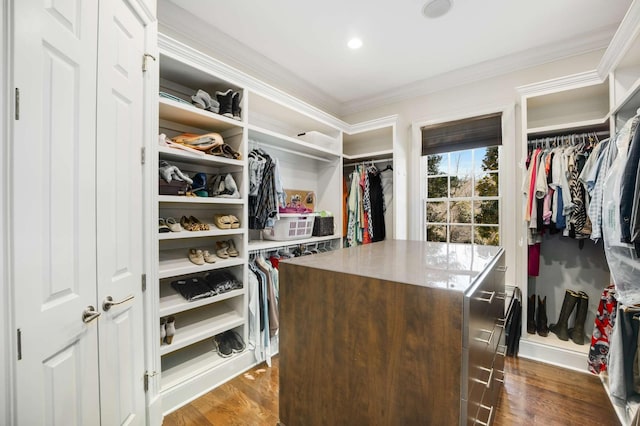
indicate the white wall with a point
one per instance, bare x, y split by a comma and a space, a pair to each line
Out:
467, 100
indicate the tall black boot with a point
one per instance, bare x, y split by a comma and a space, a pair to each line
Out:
541, 317
561, 328
226, 101
236, 109
531, 312
577, 332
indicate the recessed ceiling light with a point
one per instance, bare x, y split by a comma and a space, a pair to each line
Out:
436, 8
355, 43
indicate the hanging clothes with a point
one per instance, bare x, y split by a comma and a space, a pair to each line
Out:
266, 193
366, 206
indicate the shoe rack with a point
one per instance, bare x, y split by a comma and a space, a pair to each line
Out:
190, 364
574, 104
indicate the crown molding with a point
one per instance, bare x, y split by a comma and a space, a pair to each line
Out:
374, 124
595, 40
184, 26
587, 78
624, 37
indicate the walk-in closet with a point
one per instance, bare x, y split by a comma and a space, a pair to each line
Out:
218, 213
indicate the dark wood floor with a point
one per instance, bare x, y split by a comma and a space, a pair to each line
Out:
533, 393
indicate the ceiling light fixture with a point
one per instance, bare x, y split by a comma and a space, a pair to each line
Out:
355, 43
436, 8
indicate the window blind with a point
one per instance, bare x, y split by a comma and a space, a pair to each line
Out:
469, 133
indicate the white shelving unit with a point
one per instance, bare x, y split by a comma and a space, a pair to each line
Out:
573, 104
304, 165
189, 365
621, 64
374, 141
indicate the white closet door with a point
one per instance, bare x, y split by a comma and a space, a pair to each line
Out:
53, 211
120, 212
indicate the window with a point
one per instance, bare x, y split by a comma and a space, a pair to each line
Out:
462, 191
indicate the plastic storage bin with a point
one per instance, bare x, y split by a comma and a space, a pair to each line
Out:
319, 139
290, 226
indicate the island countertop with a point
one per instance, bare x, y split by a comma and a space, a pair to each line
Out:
439, 265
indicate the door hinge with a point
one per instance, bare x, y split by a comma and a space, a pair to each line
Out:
143, 155
17, 104
144, 61
144, 282
19, 344
147, 376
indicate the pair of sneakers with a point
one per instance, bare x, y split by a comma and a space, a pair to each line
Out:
228, 343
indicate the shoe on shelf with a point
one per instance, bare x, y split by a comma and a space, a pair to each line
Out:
231, 249
225, 99
196, 256
199, 226
222, 345
221, 249
208, 257
235, 340
169, 172
170, 329
235, 223
236, 110
163, 330
223, 221
173, 225
162, 226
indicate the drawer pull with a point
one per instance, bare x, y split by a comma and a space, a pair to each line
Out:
501, 296
487, 341
501, 269
501, 322
502, 350
500, 380
488, 422
491, 295
488, 382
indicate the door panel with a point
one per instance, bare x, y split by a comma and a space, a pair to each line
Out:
53, 211
120, 211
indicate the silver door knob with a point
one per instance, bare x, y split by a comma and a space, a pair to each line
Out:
108, 302
89, 314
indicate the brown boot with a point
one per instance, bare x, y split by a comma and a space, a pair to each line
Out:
531, 314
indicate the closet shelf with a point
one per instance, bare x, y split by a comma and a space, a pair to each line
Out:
269, 245
176, 262
181, 199
175, 154
376, 155
212, 232
629, 102
289, 144
202, 324
553, 341
177, 368
191, 116
172, 302
576, 126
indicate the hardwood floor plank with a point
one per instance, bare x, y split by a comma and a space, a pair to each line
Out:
534, 393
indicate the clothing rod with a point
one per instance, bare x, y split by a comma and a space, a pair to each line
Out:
257, 144
545, 138
355, 163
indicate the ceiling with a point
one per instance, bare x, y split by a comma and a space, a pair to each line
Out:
301, 46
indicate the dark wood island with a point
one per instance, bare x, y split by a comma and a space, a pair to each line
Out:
392, 333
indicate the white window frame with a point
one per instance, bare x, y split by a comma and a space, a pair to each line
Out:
472, 198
